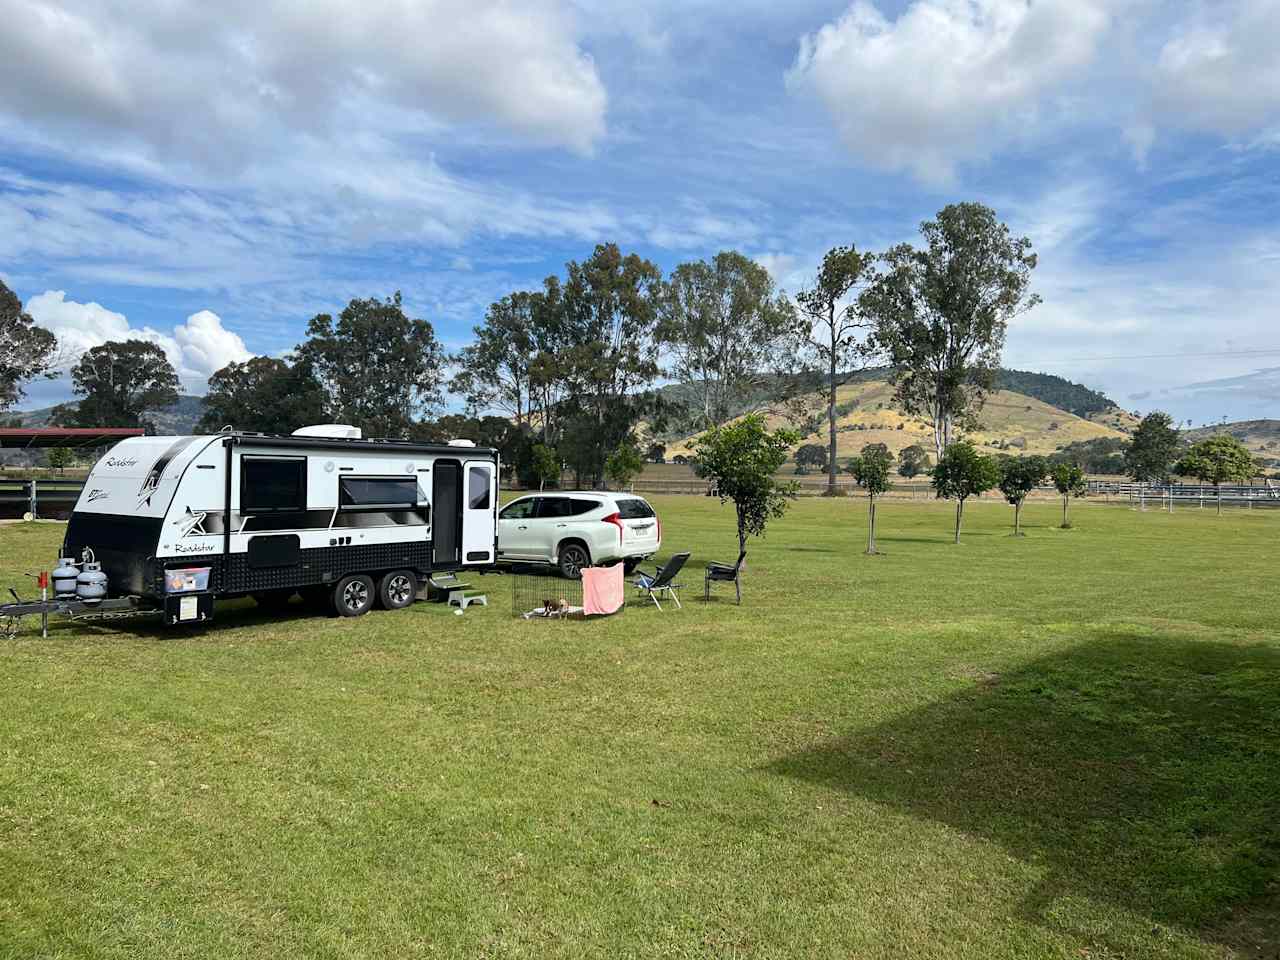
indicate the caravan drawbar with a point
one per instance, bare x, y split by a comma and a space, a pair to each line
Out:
176, 523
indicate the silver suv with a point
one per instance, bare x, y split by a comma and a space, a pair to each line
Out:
572, 530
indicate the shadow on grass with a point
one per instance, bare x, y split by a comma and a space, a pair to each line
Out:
1140, 772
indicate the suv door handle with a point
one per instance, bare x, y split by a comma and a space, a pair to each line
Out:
522, 527
561, 524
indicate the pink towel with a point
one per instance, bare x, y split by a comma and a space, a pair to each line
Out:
603, 590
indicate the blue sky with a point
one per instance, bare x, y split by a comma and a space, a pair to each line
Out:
210, 176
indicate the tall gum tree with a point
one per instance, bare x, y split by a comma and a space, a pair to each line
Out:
724, 327
833, 327
941, 313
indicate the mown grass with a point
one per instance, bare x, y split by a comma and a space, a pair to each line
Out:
1059, 746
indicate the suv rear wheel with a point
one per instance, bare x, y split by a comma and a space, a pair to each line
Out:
573, 557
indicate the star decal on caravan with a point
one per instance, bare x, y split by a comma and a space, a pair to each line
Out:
152, 481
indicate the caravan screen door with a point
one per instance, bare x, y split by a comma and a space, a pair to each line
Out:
446, 513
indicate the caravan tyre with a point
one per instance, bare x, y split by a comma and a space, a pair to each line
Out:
397, 589
353, 595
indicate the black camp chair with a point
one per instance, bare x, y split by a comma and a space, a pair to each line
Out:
662, 581
724, 572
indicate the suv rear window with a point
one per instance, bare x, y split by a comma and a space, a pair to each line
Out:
565, 507
634, 509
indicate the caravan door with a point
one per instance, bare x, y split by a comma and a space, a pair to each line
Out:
478, 519
446, 514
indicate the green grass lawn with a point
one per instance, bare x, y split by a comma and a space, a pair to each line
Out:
1066, 745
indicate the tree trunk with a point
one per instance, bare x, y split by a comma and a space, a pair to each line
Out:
831, 413
1065, 522
959, 514
742, 534
871, 524
1217, 490
1017, 519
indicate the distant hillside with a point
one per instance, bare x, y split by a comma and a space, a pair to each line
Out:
1262, 437
176, 420
1056, 391
1066, 395
1009, 421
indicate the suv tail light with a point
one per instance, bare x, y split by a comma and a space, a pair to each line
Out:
616, 519
659, 523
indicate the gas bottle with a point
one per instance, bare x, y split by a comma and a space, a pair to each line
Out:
64, 577
91, 585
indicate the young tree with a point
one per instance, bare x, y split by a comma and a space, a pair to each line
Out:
834, 329
871, 472
496, 371
623, 465
1018, 477
962, 472
941, 313
1219, 459
380, 368
810, 456
913, 461
741, 459
546, 464
1070, 481
120, 381
263, 395
725, 328
26, 350
1154, 449
58, 458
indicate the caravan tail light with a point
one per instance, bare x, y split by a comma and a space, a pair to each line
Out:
616, 520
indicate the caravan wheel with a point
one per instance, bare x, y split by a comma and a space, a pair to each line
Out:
397, 589
353, 595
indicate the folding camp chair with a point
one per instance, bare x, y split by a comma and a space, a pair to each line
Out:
662, 581
724, 572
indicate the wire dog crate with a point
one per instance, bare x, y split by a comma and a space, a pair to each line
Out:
541, 597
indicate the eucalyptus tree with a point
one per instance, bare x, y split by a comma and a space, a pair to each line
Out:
495, 371
941, 313
120, 381
27, 351
724, 327
382, 369
832, 325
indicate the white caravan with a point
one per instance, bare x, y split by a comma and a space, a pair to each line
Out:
181, 521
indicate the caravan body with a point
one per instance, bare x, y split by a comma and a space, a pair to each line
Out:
237, 513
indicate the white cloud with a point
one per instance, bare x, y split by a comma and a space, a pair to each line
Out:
949, 80
1220, 72
196, 348
213, 84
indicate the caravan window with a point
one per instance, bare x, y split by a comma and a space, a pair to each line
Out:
478, 488
377, 492
273, 484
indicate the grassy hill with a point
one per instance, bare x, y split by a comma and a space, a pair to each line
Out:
1008, 421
